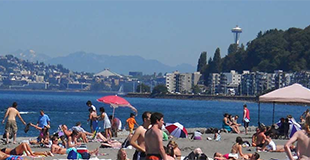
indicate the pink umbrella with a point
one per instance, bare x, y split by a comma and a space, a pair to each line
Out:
116, 101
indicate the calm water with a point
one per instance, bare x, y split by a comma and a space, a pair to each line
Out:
69, 108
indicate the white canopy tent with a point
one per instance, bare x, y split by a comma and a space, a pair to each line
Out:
295, 93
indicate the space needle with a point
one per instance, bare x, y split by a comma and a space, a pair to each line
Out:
237, 31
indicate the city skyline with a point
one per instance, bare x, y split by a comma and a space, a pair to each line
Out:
172, 32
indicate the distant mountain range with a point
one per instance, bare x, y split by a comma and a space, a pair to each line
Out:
94, 63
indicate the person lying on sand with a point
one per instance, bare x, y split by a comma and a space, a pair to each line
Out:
24, 147
56, 149
4, 156
111, 144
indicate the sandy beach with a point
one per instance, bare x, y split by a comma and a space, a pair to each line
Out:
209, 147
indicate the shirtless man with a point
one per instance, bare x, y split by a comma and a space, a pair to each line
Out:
261, 137
11, 113
303, 143
137, 140
154, 139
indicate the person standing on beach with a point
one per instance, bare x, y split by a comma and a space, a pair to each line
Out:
10, 125
106, 122
43, 120
131, 122
246, 118
137, 140
154, 139
93, 118
303, 143
90, 105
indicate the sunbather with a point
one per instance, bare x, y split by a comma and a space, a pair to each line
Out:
4, 156
24, 147
56, 149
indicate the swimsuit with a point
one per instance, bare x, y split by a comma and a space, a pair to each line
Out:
13, 152
14, 158
153, 157
139, 155
227, 127
233, 155
271, 146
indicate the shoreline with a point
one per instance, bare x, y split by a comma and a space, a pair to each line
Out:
195, 97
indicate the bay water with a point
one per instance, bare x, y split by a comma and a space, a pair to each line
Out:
70, 107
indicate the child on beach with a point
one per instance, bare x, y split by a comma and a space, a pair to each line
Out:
131, 122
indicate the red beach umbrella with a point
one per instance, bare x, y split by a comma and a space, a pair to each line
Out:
116, 101
176, 129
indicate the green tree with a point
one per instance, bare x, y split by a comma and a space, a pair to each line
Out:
232, 48
160, 89
142, 88
196, 89
215, 66
202, 62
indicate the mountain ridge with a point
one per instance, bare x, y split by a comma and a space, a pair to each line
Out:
91, 62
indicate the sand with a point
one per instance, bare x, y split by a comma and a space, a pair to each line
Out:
209, 147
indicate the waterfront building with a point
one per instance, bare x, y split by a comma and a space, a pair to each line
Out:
177, 82
214, 81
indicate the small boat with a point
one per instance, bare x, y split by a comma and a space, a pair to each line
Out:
121, 91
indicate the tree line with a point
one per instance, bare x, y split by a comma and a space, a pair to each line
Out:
272, 50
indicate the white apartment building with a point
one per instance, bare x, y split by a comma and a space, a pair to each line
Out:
177, 82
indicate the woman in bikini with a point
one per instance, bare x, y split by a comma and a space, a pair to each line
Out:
24, 147
237, 148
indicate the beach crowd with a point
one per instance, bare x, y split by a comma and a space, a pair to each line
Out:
147, 138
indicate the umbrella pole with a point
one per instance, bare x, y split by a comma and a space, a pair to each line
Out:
273, 114
113, 113
258, 113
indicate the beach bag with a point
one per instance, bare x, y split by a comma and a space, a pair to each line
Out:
85, 155
72, 155
193, 156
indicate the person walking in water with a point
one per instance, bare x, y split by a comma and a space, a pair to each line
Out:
246, 118
10, 125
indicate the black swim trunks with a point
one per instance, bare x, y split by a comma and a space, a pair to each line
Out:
260, 145
139, 155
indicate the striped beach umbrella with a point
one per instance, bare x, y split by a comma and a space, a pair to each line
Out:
176, 129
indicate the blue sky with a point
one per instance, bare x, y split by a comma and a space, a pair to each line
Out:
172, 32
